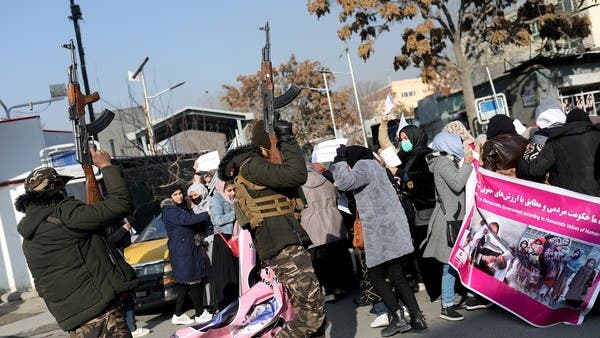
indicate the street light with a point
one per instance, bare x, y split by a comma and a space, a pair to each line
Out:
351, 73
29, 104
150, 131
326, 89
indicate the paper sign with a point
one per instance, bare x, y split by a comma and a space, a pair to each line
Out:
326, 150
388, 104
207, 162
390, 157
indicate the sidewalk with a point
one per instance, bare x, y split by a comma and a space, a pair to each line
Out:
25, 317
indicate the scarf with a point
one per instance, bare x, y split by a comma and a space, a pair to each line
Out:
448, 143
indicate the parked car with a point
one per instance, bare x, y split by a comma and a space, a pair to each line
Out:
149, 256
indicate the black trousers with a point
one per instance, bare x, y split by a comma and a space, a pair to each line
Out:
392, 269
195, 290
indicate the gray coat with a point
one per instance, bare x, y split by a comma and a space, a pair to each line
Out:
450, 185
384, 223
321, 219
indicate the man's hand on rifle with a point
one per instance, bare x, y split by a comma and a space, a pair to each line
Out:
283, 130
100, 158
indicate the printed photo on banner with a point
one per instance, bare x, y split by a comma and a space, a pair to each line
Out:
531, 248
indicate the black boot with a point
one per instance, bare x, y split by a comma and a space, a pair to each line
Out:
398, 324
417, 321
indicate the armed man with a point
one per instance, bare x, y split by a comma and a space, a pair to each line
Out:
267, 199
76, 271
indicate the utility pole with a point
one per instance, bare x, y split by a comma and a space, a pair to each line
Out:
76, 16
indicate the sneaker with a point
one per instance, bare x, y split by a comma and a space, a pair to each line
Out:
462, 303
448, 313
140, 332
417, 321
380, 321
204, 317
476, 303
329, 298
397, 325
181, 320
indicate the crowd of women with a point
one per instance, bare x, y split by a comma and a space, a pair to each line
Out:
404, 212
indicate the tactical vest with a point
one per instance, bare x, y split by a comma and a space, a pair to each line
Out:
253, 210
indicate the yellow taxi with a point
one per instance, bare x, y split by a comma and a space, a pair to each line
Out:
149, 256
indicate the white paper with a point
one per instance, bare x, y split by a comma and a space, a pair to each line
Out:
326, 150
390, 157
207, 162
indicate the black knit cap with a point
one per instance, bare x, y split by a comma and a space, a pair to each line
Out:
259, 135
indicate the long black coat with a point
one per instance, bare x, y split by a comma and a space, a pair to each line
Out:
189, 262
571, 156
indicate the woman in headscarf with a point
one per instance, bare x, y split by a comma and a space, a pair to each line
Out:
450, 180
548, 117
386, 233
225, 266
571, 156
457, 128
189, 263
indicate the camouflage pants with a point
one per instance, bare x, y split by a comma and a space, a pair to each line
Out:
108, 325
294, 269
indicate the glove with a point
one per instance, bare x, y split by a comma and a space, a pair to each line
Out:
341, 152
283, 130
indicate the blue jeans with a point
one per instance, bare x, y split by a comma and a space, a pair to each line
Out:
448, 279
128, 308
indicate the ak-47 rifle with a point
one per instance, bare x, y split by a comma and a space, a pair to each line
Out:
83, 131
270, 102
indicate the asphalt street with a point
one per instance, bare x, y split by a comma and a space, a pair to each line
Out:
346, 320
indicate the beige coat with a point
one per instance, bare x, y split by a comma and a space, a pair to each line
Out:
321, 219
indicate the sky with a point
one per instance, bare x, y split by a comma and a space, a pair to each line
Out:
205, 43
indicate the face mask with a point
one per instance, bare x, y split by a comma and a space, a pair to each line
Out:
197, 200
406, 146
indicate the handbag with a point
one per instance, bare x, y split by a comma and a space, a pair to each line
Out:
232, 243
358, 240
452, 226
452, 230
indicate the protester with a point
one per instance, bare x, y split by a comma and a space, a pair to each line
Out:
571, 156
386, 233
225, 266
120, 238
279, 238
198, 195
504, 147
548, 117
415, 181
324, 224
203, 238
450, 181
457, 128
189, 262
61, 241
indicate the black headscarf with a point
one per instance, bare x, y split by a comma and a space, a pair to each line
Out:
418, 138
357, 153
500, 124
578, 115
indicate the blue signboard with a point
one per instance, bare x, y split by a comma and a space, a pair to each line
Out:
63, 159
488, 107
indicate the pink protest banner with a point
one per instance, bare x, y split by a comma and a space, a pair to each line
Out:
531, 248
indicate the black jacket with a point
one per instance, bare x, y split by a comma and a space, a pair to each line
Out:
76, 271
571, 156
277, 232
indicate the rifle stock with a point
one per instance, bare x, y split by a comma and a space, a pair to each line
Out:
92, 190
274, 153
